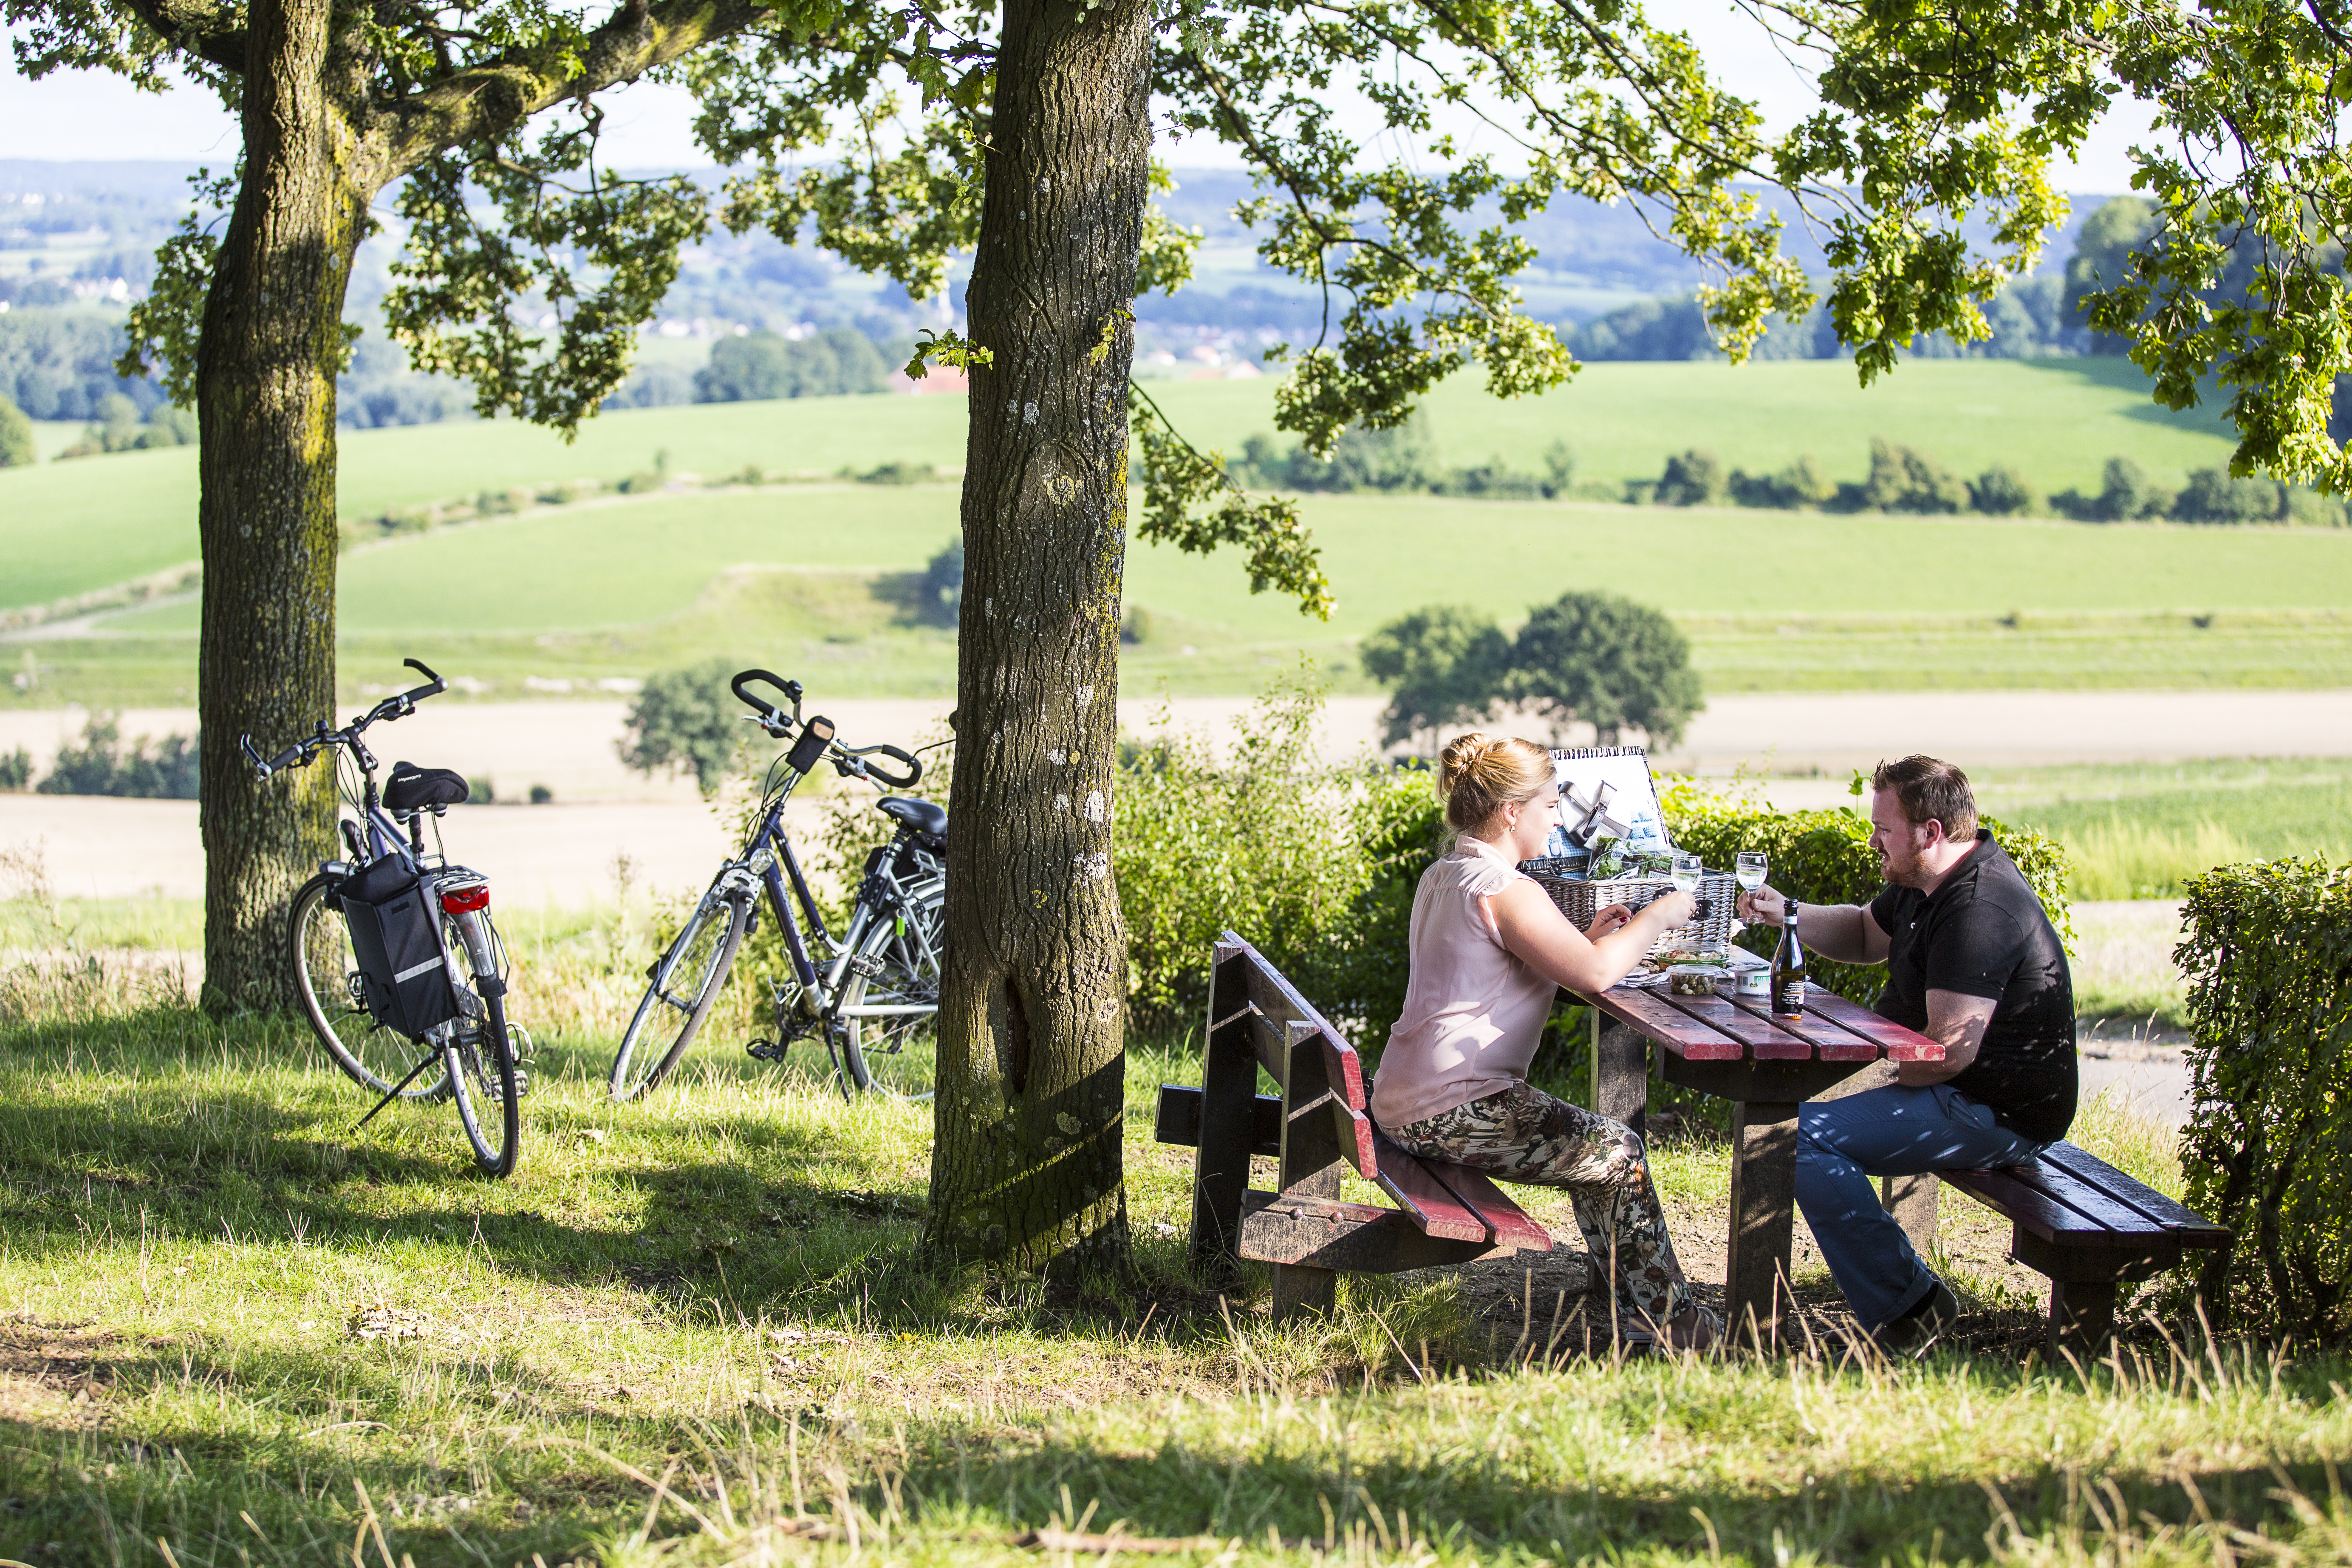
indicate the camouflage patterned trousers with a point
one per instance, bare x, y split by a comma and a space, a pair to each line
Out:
1525, 1135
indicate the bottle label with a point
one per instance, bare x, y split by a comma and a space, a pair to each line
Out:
1792, 997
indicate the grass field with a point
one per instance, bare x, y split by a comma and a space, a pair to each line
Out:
697, 1330
2139, 832
816, 573
68, 529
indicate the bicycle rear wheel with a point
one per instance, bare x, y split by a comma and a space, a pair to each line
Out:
685, 983
894, 970
326, 974
480, 1060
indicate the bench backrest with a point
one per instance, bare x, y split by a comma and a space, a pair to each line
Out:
1321, 1076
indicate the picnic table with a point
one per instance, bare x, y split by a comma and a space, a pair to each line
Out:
1733, 1047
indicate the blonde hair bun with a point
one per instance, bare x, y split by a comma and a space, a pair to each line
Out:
1478, 775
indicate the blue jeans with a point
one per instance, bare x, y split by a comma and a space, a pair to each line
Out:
1893, 1132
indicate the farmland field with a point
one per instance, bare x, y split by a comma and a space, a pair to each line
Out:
70, 528
816, 572
2139, 832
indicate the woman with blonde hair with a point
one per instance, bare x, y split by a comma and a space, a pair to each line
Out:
1489, 952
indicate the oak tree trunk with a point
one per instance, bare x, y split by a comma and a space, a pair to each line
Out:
266, 364
1026, 1164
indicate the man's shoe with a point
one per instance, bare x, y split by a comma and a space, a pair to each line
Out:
1915, 1331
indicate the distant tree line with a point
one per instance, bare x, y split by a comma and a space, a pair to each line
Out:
1589, 657
829, 363
102, 762
2032, 318
1405, 460
1904, 480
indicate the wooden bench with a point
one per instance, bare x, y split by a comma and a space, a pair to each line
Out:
2088, 1227
1317, 1126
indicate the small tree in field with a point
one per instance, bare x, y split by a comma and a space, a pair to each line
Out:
1446, 665
686, 720
1609, 662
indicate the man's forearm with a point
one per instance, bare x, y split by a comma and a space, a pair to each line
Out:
1834, 930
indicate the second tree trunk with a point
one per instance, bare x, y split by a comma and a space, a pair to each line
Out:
1026, 1168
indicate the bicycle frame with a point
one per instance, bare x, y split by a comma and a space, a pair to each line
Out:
769, 856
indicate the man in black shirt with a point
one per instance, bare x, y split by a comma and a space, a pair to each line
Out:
1972, 962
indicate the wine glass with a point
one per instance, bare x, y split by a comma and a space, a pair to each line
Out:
1687, 871
1750, 867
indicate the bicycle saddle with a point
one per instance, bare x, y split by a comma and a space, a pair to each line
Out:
412, 788
921, 816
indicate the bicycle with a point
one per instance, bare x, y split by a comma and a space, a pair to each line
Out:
880, 988
393, 950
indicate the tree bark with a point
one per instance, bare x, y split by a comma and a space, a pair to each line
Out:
266, 365
1026, 1168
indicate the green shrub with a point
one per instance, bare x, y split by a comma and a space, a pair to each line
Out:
2126, 494
15, 770
103, 764
1256, 843
1904, 479
1825, 858
2268, 1148
1692, 479
2002, 491
17, 446
686, 720
1801, 484
2213, 496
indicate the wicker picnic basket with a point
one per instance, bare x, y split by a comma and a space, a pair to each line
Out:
1579, 900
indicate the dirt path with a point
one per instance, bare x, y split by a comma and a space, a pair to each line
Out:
565, 853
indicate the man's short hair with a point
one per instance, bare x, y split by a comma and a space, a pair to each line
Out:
1930, 790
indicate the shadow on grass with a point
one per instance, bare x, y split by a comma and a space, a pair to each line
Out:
221, 1496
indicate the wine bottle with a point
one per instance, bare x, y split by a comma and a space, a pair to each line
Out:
1788, 968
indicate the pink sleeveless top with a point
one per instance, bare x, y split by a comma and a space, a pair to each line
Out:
1473, 1012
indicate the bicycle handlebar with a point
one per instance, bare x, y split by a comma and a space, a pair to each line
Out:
863, 767
304, 751
815, 745
769, 714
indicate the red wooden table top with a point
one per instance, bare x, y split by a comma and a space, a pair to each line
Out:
1730, 1030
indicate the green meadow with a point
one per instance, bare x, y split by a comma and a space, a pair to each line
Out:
70, 528
815, 570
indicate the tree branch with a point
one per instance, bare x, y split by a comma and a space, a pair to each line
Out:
483, 101
210, 32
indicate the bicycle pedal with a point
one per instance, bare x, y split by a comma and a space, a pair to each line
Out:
765, 1051
523, 1083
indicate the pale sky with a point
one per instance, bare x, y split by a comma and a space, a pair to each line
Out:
76, 115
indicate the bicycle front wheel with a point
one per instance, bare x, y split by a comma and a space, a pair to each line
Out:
480, 1059
326, 973
892, 997
685, 983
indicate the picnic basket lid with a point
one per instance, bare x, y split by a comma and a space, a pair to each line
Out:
1606, 792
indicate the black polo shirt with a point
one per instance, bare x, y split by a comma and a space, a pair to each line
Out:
1983, 934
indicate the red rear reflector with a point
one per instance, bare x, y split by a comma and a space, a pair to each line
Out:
466, 901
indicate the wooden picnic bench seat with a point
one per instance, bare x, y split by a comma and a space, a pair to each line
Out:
2088, 1227
1317, 1126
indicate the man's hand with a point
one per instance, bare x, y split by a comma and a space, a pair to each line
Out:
1845, 933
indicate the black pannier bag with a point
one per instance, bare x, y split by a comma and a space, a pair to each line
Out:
395, 935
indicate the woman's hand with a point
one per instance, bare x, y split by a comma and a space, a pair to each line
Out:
1605, 921
1765, 906
1675, 908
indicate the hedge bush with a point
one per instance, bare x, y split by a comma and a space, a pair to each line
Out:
2268, 1148
1272, 843
1825, 858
